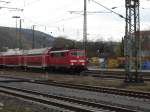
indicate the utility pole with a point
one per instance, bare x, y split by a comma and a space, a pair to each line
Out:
16, 17
20, 35
132, 42
85, 26
33, 37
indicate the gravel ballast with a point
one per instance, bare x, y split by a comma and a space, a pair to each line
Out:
12, 104
124, 101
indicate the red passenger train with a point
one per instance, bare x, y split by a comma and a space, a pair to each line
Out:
45, 58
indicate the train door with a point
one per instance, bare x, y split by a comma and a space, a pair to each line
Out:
45, 60
66, 58
51, 59
57, 58
1, 60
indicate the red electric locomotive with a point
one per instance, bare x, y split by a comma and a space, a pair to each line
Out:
46, 58
71, 59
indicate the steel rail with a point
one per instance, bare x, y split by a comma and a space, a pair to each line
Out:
30, 96
122, 92
111, 72
109, 90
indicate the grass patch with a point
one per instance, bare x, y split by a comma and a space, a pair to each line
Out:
13, 108
137, 86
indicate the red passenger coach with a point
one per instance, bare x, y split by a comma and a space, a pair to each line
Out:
36, 58
1, 59
11, 58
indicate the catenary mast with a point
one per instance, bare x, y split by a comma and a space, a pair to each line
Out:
132, 43
85, 26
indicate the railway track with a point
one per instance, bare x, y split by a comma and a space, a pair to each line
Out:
122, 92
97, 73
112, 74
70, 104
115, 91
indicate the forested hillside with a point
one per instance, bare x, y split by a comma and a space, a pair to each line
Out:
9, 39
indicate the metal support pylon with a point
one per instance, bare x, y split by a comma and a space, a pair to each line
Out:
85, 27
132, 42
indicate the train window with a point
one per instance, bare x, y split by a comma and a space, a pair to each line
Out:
78, 53
58, 54
62, 54
52, 54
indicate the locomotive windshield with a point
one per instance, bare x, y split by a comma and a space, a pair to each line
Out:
77, 53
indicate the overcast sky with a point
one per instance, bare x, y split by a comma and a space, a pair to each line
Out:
55, 15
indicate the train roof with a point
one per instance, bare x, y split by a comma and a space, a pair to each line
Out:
33, 51
59, 51
36, 51
12, 52
1, 53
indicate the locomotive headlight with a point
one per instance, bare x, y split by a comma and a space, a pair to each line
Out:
82, 61
72, 63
